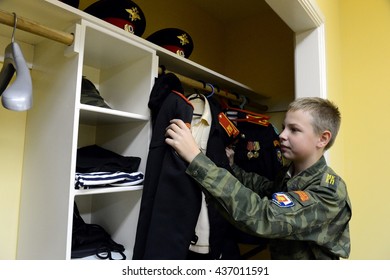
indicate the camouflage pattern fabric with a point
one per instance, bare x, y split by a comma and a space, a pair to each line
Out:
306, 216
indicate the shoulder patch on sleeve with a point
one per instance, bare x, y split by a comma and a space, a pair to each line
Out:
330, 180
281, 199
302, 197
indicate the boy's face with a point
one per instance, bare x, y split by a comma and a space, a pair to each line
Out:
299, 143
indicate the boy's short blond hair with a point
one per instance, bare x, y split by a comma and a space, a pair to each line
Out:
326, 115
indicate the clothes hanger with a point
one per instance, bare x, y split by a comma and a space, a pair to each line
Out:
193, 96
201, 96
212, 90
225, 105
250, 116
18, 95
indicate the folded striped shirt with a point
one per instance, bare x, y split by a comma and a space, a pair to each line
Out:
93, 179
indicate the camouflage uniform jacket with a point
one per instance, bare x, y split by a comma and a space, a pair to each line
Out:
305, 217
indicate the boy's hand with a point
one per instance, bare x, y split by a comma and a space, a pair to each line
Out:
179, 137
230, 155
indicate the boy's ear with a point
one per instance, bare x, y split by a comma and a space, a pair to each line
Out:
324, 138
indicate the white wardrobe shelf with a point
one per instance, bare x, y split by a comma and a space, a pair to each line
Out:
93, 115
107, 190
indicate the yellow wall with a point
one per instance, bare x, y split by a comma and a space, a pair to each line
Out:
358, 58
365, 73
12, 126
358, 62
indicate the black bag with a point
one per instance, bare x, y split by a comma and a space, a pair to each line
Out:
92, 239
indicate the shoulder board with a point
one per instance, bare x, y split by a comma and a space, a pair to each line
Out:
227, 125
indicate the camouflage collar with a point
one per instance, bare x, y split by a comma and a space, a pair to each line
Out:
299, 181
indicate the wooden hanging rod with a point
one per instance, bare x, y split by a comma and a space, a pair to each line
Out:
68, 39
209, 88
36, 28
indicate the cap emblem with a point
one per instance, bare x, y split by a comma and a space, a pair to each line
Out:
183, 39
133, 14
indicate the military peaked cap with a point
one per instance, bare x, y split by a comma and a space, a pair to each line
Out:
122, 13
173, 39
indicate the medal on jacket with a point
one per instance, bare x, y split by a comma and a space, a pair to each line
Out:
249, 147
256, 148
253, 148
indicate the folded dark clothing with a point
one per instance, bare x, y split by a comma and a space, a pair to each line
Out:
96, 159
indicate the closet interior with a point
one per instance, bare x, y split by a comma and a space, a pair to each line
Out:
61, 44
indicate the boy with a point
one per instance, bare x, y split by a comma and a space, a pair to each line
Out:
305, 212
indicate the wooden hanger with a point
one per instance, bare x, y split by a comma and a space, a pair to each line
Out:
18, 95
